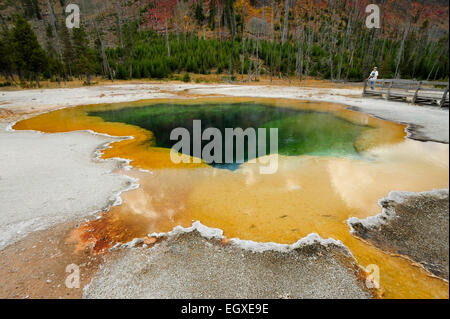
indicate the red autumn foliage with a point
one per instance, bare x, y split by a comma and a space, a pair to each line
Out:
159, 14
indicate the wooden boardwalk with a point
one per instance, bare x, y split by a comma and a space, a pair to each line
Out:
416, 92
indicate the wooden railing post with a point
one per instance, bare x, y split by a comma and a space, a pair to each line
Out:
444, 97
416, 94
388, 95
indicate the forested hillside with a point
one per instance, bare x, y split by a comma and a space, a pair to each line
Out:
240, 38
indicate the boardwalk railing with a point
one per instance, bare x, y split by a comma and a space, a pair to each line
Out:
416, 92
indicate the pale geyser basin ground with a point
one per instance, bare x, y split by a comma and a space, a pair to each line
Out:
309, 194
44, 177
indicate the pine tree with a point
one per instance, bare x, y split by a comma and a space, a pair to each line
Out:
50, 41
131, 33
31, 9
84, 57
199, 15
28, 54
6, 61
67, 49
212, 14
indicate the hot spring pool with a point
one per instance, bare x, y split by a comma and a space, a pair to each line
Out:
333, 164
301, 132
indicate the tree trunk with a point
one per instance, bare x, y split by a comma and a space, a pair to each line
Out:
272, 42
232, 27
286, 22
167, 39
37, 79
257, 56
400, 52
350, 64
243, 52
219, 14
106, 66
119, 24
55, 32
299, 60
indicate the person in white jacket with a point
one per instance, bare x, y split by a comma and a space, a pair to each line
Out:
373, 77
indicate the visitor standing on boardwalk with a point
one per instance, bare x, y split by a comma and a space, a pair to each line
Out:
373, 77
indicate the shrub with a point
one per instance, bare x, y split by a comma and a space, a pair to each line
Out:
186, 78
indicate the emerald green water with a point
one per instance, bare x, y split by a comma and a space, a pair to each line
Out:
300, 132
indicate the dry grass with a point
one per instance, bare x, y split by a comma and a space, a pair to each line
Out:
195, 78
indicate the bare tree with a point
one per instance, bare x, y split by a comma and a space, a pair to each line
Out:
299, 58
180, 13
105, 63
231, 22
400, 51
284, 37
119, 23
